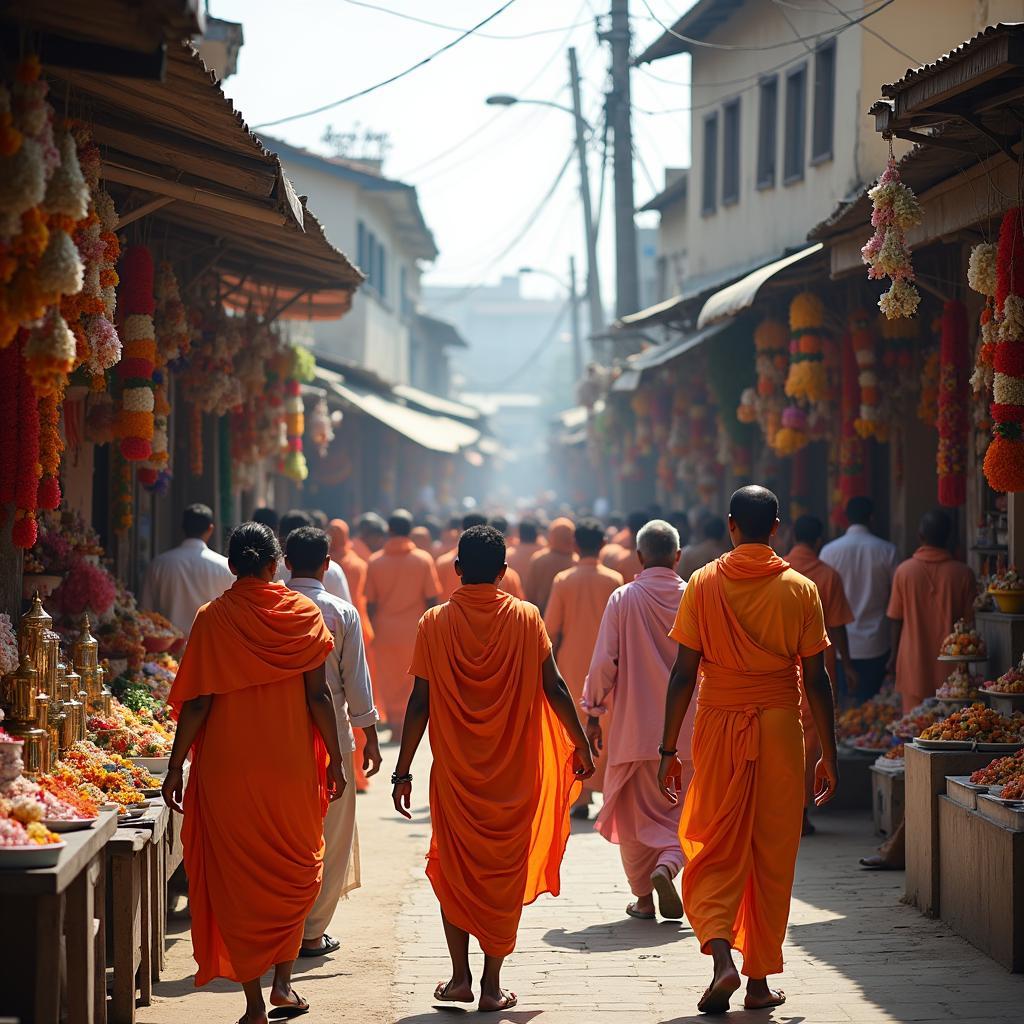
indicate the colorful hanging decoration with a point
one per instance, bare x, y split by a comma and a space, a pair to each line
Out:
1004, 460
135, 423
895, 208
793, 433
763, 403
173, 336
28, 469
302, 370
321, 431
870, 421
51, 447
806, 380
899, 358
954, 360
981, 276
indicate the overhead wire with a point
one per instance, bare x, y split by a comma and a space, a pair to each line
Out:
531, 359
393, 78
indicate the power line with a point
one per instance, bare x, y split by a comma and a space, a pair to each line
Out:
394, 78
456, 28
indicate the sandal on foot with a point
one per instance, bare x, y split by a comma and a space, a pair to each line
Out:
507, 1001
289, 1010
442, 996
670, 904
717, 995
328, 944
778, 998
639, 914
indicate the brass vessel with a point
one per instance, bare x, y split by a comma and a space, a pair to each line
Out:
21, 695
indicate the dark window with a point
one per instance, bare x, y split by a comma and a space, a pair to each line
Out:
731, 152
361, 252
371, 260
709, 199
767, 119
824, 101
382, 271
796, 118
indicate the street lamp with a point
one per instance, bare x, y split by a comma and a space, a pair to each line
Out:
574, 307
583, 129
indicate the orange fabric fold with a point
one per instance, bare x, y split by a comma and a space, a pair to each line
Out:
502, 779
253, 828
752, 618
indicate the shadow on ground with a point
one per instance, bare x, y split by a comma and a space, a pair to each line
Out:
617, 936
440, 1013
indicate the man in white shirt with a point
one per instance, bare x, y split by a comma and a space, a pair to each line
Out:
180, 581
334, 580
866, 564
307, 557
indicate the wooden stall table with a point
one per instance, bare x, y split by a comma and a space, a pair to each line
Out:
137, 906
41, 906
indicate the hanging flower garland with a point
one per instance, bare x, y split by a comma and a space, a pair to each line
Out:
302, 370
51, 447
26, 485
763, 403
135, 423
870, 421
806, 380
981, 276
321, 432
895, 208
173, 336
954, 361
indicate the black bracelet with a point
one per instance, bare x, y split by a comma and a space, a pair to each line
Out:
398, 780
666, 753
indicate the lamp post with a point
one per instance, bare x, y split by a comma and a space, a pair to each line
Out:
583, 129
574, 310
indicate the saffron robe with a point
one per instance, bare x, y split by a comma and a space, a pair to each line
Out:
502, 777
752, 618
546, 565
519, 555
253, 828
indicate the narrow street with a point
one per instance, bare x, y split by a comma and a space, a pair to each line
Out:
854, 953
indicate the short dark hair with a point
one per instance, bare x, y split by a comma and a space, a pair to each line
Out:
754, 510
636, 521
307, 548
808, 530
400, 523
196, 520
936, 527
292, 520
713, 527
455, 522
319, 517
481, 554
370, 522
433, 524
500, 523
859, 510
528, 530
471, 519
589, 536
266, 516
251, 546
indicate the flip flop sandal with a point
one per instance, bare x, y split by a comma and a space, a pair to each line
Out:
289, 1010
441, 993
328, 944
778, 998
508, 1000
633, 912
670, 904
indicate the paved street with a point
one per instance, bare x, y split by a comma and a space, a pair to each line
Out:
854, 952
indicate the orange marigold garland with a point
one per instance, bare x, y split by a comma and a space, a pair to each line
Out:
135, 423
763, 403
954, 357
807, 380
50, 449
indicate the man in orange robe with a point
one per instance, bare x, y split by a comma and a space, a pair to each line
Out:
508, 750
354, 568
547, 564
446, 574
808, 536
573, 618
401, 584
253, 838
525, 548
930, 591
371, 533
750, 629
622, 558
420, 536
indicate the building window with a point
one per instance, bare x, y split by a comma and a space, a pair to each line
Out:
796, 118
709, 199
382, 271
767, 119
361, 250
823, 123
731, 152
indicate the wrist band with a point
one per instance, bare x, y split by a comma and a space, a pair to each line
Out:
666, 753
397, 780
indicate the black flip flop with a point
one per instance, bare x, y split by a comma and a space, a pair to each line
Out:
327, 945
289, 1011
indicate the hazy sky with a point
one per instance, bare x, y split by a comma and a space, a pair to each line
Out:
481, 171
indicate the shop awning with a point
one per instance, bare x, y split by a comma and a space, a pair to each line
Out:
629, 379
430, 431
740, 295
436, 404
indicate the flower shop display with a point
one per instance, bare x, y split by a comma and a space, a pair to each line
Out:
1000, 770
976, 723
960, 685
951, 459
894, 209
135, 370
873, 717
963, 642
918, 719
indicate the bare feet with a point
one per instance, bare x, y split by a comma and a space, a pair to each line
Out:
761, 997
670, 904
259, 1017
454, 991
500, 1000
288, 1000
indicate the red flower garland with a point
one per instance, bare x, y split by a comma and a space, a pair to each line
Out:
954, 379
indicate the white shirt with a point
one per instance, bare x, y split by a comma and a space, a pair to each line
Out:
866, 564
347, 673
334, 580
180, 581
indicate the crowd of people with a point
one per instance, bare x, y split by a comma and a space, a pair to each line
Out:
682, 667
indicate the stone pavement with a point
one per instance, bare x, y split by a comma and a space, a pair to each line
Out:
854, 954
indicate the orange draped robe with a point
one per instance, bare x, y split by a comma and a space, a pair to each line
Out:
752, 618
502, 778
256, 795
547, 564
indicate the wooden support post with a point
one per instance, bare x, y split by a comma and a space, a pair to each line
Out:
80, 941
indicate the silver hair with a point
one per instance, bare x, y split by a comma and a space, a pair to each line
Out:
658, 541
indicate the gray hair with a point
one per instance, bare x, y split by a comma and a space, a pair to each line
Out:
658, 542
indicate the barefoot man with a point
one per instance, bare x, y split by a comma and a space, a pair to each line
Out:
508, 752
749, 628
629, 675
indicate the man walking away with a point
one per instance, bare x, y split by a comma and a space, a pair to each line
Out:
712, 543
750, 629
335, 581
629, 674
445, 564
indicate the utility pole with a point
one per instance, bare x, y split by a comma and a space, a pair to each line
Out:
619, 114
574, 308
594, 304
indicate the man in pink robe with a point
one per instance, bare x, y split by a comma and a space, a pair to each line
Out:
629, 677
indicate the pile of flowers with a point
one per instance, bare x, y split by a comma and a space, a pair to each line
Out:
113, 777
894, 209
1013, 790
916, 721
80, 803
963, 642
874, 717
897, 753
53, 807
977, 723
8, 645
1011, 681
1009, 579
1000, 771
158, 632
959, 686
21, 823
134, 733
